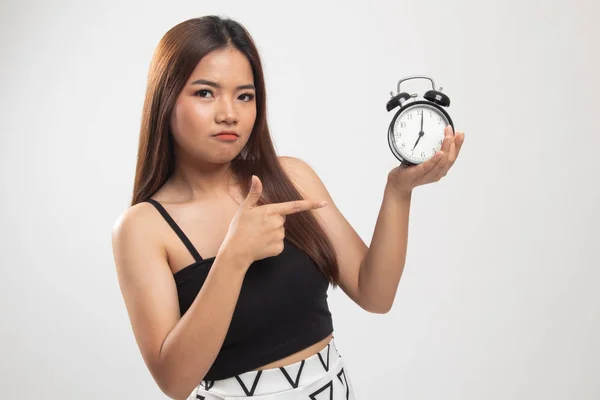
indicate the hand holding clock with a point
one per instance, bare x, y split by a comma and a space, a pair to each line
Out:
405, 178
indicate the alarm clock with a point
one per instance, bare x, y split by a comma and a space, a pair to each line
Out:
416, 132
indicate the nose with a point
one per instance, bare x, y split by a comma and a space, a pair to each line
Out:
226, 112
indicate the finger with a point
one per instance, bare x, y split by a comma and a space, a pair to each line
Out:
421, 170
438, 171
449, 157
456, 146
254, 192
460, 139
452, 152
448, 139
293, 207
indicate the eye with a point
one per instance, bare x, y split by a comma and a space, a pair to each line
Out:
250, 96
201, 92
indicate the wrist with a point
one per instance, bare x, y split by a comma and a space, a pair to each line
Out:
401, 193
232, 259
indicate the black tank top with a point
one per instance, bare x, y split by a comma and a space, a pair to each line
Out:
282, 307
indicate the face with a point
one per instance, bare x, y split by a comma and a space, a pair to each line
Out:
219, 96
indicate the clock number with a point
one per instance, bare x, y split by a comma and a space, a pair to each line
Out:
402, 124
409, 116
439, 120
423, 154
403, 145
419, 112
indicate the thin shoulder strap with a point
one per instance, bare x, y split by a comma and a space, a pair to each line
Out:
176, 228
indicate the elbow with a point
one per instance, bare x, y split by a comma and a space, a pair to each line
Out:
378, 308
381, 309
178, 396
176, 391
168, 388
375, 299
174, 379
174, 387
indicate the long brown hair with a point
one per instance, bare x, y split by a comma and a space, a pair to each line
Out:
175, 57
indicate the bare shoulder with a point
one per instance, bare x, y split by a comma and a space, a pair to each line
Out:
137, 239
135, 223
297, 169
305, 178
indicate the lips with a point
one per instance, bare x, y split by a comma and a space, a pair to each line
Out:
226, 136
229, 133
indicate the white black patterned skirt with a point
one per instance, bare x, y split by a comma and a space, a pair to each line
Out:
322, 376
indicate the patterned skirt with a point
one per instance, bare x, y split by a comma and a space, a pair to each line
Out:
322, 376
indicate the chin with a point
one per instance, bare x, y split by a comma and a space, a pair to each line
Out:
223, 158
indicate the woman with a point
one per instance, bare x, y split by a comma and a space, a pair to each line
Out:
226, 254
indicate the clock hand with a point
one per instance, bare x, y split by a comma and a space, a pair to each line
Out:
419, 138
421, 133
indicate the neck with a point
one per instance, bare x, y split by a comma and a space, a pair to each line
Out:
202, 180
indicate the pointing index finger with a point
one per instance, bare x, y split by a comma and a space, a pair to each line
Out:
296, 206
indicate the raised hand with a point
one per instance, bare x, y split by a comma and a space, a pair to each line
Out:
405, 179
257, 232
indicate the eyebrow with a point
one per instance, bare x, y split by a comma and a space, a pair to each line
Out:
216, 85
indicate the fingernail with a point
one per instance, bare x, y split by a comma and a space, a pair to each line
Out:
322, 203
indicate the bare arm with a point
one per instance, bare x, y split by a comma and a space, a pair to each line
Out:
178, 351
383, 265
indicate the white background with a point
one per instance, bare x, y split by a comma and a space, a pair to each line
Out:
499, 297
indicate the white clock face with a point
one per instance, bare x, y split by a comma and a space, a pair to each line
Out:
419, 133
